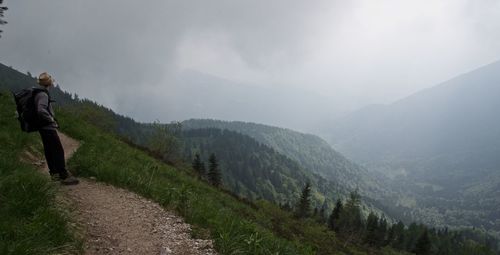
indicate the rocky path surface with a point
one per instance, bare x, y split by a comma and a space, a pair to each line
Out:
116, 221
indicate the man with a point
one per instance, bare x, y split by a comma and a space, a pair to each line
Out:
54, 152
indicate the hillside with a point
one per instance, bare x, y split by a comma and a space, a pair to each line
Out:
254, 170
32, 219
334, 174
237, 226
311, 152
441, 145
13, 80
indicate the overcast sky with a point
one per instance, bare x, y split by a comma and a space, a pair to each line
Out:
349, 53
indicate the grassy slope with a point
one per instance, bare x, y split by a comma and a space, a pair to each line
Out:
30, 220
236, 227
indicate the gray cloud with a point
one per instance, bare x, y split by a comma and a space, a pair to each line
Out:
129, 55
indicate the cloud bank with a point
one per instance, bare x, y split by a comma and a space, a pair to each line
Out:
131, 56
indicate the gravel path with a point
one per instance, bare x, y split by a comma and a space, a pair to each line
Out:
116, 221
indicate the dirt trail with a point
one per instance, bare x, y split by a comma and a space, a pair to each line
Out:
116, 221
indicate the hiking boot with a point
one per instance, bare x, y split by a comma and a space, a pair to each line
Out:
70, 180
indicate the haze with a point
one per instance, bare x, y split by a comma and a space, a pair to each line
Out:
324, 57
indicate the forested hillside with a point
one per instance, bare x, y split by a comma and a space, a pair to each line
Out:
440, 145
312, 154
254, 170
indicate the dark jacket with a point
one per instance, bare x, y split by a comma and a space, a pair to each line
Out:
45, 111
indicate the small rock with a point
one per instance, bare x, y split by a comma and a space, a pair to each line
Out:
165, 251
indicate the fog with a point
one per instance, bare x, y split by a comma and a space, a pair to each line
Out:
304, 62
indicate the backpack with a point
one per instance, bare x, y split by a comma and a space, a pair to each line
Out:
26, 110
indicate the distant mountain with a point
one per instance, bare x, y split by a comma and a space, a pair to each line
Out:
198, 95
442, 145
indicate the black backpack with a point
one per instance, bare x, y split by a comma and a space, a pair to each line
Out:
26, 110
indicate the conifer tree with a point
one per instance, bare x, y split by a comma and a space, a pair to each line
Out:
304, 206
399, 236
390, 235
287, 207
198, 165
350, 223
382, 232
371, 229
203, 169
214, 175
423, 246
322, 213
334, 217
2, 10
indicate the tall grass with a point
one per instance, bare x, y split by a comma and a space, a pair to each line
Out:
31, 222
212, 212
235, 227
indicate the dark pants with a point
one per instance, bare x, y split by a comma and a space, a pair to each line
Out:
54, 153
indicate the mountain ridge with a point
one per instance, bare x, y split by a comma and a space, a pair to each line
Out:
447, 137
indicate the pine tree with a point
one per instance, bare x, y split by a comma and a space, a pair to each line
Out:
2, 10
353, 211
371, 229
423, 246
304, 206
399, 235
350, 223
214, 175
334, 217
203, 169
390, 235
382, 232
198, 165
322, 213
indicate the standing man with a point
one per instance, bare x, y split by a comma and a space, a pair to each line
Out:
54, 152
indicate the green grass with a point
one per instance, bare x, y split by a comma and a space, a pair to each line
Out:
235, 226
213, 213
31, 222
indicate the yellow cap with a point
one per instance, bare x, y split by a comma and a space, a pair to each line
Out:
44, 79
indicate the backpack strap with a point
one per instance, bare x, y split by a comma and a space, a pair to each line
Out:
40, 90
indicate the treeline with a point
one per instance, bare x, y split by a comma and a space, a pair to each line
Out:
253, 170
213, 176
308, 151
347, 221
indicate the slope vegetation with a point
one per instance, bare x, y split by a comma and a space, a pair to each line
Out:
312, 154
31, 219
253, 170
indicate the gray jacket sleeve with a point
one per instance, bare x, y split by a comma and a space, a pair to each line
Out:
42, 108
